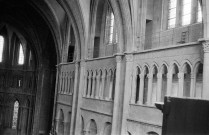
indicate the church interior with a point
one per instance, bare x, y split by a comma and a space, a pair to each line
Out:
97, 67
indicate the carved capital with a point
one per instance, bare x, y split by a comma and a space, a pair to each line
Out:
205, 46
150, 76
118, 59
129, 57
192, 76
141, 76
180, 75
159, 76
169, 76
98, 77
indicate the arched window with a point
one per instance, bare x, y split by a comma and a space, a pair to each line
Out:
21, 55
172, 14
1, 47
199, 13
154, 85
110, 30
61, 123
92, 128
105, 37
187, 80
107, 129
15, 115
71, 47
145, 96
186, 13
137, 85
82, 126
175, 83
164, 82
198, 83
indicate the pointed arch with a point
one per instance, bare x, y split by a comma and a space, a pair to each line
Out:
82, 126
61, 119
137, 85
175, 80
198, 75
186, 69
145, 88
92, 127
154, 84
164, 71
103, 29
107, 128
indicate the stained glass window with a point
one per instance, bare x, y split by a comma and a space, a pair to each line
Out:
1, 47
21, 56
186, 12
172, 14
15, 115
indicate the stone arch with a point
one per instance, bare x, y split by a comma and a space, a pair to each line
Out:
105, 87
82, 126
154, 74
175, 81
164, 67
61, 120
90, 82
152, 133
114, 81
174, 68
92, 127
155, 65
198, 77
164, 71
138, 70
72, 46
137, 84
77, 22
185, 63
67, 123
145, 88
186, 69
123, 16
107, 128
145, 68
115, 6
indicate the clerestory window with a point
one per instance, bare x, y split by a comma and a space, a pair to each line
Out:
110, 29
172, 14
186, 12
21, 56
180, 12
1, 47
199, 13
